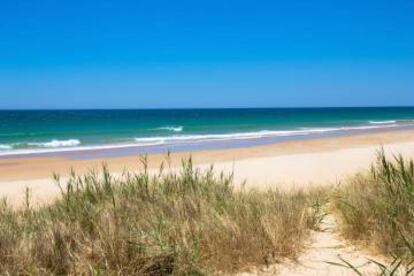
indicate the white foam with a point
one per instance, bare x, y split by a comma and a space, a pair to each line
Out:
214, 137
5, 147
79, 148
171, 128
56, 143
382, 122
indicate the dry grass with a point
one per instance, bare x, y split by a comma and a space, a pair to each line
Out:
377, 208
183, 223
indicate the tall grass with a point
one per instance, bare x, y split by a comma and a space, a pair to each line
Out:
180, 223
377, 208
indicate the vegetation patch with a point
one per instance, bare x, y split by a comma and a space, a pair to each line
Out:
179, 223
377, 208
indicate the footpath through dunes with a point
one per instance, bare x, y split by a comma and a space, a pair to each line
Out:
374, 210
324, 255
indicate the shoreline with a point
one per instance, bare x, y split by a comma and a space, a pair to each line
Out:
33, 167
191, 143
322, 161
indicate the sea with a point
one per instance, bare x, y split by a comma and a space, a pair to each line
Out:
107, 133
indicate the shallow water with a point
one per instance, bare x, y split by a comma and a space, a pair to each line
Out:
122, 132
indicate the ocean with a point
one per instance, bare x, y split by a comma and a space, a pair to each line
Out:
63, 131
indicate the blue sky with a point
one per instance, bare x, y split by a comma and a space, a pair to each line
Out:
160, 54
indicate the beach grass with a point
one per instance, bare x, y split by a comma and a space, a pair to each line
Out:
376, 208
186, 222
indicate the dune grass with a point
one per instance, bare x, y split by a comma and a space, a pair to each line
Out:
186, 222
377, 208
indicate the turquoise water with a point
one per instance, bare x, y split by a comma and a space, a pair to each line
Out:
47, 131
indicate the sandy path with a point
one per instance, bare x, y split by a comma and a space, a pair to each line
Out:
328, 246
325, 245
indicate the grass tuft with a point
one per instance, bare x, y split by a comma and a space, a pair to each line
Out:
377, 208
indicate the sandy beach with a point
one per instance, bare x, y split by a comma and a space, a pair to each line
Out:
324, 161
207, 138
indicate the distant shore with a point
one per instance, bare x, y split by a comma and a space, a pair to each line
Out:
285, 164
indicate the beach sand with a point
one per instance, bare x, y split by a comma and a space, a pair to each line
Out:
324, 161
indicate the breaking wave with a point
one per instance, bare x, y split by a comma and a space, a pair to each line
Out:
171, 128
382, 122
56, 143
5, 147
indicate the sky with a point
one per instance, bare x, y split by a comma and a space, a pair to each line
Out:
184, 54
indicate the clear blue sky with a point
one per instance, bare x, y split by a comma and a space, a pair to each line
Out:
215, 53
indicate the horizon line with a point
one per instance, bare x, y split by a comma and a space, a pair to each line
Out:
200, 108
